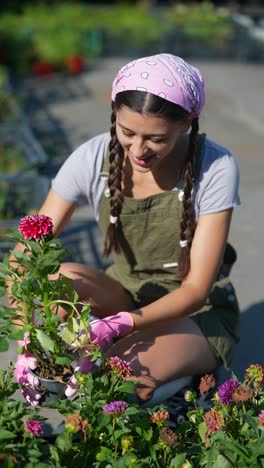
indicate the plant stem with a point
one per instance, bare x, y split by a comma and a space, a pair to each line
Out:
46, 299
115, 442
60, 301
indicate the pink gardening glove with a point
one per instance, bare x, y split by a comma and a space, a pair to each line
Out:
102, 332
22, 372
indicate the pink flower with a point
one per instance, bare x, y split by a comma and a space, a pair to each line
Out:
261, 418
207, 382
35, 226
122, 368
115, 407
213, 421
33, 427
26, 340
225, 391
159, 417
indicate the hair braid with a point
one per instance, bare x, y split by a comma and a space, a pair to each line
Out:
116, 158
187, 221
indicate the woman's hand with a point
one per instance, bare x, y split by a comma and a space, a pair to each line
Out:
23, 373
102, 332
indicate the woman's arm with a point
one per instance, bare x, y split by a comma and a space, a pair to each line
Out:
58, 209
205, 258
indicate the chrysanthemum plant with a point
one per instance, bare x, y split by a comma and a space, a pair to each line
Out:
104, 426
30, 276
228, 430
21, 430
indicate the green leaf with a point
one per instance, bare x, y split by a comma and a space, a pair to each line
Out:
45, 341
85, 312
3, 274
119, 433
147, 434
202, 428
213, 452
4, 434
104, 454
63, 360
221, 462
257, 446
33, 452
67, 336
251, 422
178, 461
4, 345
132, 410
127, 387
74, 324
54, 454
153, 449
16, 335
231, 445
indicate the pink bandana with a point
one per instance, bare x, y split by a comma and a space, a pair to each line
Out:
164, 75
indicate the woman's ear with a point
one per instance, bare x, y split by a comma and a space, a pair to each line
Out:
187, 125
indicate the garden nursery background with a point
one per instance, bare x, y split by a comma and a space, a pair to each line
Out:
57, 64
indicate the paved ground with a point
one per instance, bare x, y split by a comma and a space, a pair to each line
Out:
79, 108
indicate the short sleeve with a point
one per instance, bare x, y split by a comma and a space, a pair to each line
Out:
72, 180
79, 176
218, 188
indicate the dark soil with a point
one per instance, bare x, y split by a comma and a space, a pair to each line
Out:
57, 372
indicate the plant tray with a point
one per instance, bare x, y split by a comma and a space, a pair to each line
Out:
19, 150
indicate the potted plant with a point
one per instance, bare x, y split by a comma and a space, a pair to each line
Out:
59, 50
37, 292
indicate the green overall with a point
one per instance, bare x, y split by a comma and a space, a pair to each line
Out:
149, 235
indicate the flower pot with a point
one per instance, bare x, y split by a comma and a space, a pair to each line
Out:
42, 68
54, 390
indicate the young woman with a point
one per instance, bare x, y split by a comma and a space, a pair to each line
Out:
163, 195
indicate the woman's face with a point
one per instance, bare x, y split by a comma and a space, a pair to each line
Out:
147, 140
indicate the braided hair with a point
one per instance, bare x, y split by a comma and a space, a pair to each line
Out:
143, 102
116, 158
187, 221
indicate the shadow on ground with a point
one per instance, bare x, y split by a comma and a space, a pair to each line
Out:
250, 348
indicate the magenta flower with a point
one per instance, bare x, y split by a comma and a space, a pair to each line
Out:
33, 427
35, 226
261, 418
115, 407
225, 391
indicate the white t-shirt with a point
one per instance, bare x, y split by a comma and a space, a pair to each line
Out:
216, 189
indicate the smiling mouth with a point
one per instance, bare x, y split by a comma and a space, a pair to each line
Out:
144, 162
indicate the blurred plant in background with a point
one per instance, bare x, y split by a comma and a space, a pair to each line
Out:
65, 36
202, 23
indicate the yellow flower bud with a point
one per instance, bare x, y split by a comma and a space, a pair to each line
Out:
188, 396
81, 379
127, 442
